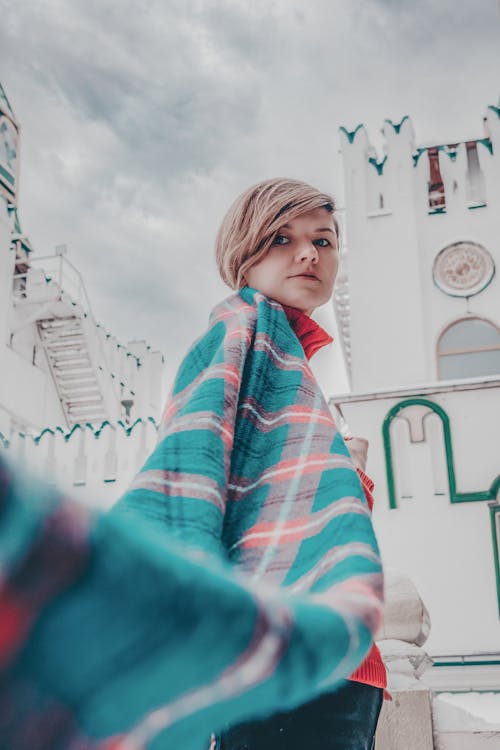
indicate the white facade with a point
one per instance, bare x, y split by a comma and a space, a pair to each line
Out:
78, 405
60, 369
445, 547
419, 313
397, 312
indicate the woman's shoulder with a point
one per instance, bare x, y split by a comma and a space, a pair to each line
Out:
236, 307
233, 318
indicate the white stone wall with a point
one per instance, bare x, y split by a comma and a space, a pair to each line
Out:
397, 312
28, 396
444, 548
387, 348
94, 466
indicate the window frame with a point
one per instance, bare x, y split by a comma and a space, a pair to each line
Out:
469, 350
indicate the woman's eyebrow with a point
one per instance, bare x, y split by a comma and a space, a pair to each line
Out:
321, 229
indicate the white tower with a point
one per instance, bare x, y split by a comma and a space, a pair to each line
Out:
422, 229
420, 322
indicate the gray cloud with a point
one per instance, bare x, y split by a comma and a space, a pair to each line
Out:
143, 120
151, 78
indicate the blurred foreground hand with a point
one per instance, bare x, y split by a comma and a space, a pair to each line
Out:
112, 639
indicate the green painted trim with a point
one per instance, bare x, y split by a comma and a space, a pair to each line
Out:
478, 205
379, 165
416, 156
494, 510
17, 223
486, 662
3, 96
397, 125
389, 468
9, 193
465, 692
7, 175
495, 109
70, 434
37, 439
486, 142
441, 210
351, 134
97, 432
452, 154
455, 497
120, 346
92, 428
461, 296
139, 420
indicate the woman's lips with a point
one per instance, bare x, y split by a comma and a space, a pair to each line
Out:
311, 276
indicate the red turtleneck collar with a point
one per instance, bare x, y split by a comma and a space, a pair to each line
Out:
310, 334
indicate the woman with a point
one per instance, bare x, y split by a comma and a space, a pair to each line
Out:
114, 637
250, 465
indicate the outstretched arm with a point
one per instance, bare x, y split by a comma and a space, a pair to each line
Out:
111, 637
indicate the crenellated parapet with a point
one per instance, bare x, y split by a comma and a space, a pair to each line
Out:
137, 371
90, 462
373, 181
459, 174
421, 230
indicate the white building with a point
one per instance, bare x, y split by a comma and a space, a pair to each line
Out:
419, 312
72, 398
418, 309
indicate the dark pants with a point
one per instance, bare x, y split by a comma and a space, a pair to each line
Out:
343, 720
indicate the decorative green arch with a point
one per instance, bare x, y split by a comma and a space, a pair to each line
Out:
455, 497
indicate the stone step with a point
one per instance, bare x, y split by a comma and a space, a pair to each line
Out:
83, 403
65, 342
91, 389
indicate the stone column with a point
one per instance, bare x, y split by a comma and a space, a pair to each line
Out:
406, 720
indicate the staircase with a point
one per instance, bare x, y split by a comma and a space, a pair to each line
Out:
74, 374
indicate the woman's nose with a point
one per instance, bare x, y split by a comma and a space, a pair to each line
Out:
308, 251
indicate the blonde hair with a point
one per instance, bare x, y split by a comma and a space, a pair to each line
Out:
250, 225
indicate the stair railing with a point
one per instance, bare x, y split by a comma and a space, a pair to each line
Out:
67, 282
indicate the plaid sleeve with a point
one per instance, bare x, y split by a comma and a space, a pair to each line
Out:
112, 637
182, 487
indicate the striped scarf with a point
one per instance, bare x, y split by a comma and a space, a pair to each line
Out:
113, 636
250, 465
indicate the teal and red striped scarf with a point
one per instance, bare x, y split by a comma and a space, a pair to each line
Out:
250, 465
137, 628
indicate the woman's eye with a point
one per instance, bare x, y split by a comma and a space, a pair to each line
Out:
280, 239
322, 242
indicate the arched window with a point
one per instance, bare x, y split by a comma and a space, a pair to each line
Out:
469, 348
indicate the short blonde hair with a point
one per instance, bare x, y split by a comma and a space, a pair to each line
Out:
250, 225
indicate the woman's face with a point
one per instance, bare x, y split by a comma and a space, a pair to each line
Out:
300, 268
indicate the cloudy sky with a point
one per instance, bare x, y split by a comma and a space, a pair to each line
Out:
143, 119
